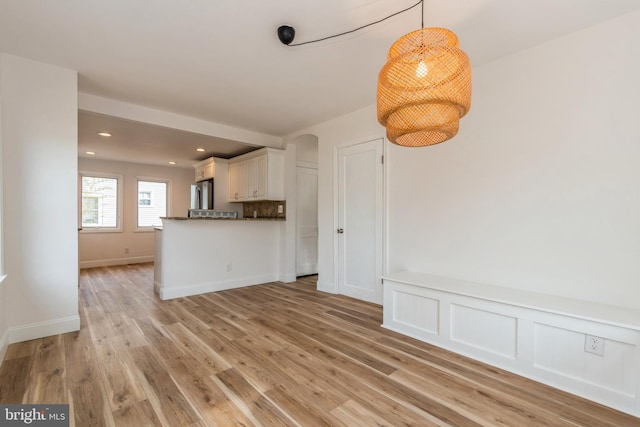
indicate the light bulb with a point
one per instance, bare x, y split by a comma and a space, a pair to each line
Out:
422, 69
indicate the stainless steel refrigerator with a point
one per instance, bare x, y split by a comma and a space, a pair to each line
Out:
202, 195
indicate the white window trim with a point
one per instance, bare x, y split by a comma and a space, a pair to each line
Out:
89, 230
167, 181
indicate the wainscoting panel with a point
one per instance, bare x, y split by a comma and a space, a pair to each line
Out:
416, 311
485, 330
561, 352
541, 337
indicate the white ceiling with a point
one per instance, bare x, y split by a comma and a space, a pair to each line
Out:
150, 144
221, 61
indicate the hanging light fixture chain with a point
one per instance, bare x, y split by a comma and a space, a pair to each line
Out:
365, 26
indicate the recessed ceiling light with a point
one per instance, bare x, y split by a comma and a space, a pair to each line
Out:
104, 134
91, 153
172, 163
200, 149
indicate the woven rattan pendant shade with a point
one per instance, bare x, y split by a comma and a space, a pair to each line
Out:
424, 88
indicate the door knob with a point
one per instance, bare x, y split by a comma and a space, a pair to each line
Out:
340, 231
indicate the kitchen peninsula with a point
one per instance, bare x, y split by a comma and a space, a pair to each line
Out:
200, 255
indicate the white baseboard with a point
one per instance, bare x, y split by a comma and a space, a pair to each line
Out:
43, 329
4, 344
288, 278
203, 288
328, 287
116, 261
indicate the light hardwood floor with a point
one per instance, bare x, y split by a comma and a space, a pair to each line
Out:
271, 355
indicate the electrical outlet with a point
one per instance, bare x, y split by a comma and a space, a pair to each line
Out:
126, 250
594, 345
280, 209
229, 266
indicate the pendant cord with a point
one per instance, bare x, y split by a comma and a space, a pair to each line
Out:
365, 26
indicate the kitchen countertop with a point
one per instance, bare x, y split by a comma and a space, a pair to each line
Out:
184, 218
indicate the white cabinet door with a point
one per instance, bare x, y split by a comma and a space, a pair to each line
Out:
238, 181
252, 179
262, 177
209, 171
233, 182
199, 174
257, 176
205, 169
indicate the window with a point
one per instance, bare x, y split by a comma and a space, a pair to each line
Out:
152, 202
100, 196
144, 198
90, 210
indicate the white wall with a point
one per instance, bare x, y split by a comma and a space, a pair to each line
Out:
39, 179
307, 149
99, 249
4, 329
539, 190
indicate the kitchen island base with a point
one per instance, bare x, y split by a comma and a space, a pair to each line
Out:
199, 256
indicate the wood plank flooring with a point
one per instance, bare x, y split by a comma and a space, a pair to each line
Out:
269, 355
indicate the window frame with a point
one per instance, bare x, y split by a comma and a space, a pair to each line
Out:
119, 198
136, 192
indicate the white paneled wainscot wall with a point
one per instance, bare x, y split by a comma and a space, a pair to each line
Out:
550, 339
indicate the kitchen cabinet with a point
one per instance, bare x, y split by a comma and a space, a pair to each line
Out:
258, 175
237, 181
205, 169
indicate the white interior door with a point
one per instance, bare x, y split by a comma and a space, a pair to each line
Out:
359, 229
306, 221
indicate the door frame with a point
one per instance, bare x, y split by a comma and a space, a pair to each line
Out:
336, 205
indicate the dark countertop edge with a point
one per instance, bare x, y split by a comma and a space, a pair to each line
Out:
184, 218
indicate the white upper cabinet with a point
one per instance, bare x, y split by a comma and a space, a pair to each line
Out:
205, 169
258, 175
237, 181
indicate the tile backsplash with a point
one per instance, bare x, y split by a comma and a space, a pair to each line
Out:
264, 209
